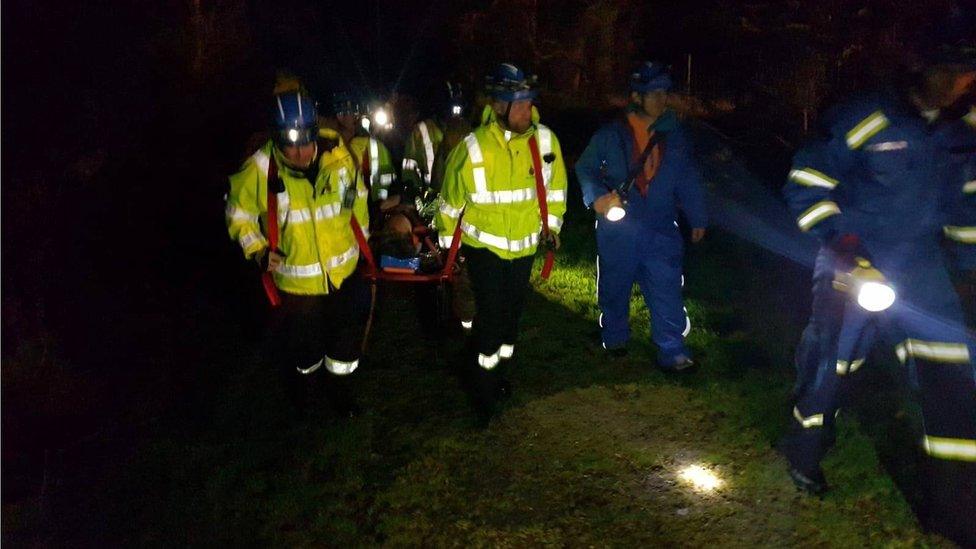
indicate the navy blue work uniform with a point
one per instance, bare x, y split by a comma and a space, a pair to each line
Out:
960, 139
645, 246
879, 181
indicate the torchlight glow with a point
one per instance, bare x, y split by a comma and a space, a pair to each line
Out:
700, 478
616, 213
293, 135
381, 118
875, 296
456, 110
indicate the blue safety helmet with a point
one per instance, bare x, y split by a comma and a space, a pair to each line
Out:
509, 83
650, 76
295, 118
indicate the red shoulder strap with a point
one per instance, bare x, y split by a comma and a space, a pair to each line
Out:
272, 184
540, 192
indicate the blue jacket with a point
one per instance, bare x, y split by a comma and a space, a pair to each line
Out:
608, 158
881, 172
960, 139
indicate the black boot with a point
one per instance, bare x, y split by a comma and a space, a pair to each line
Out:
803, 464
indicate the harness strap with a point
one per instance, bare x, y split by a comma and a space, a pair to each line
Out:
273, 184
540, 192
364, 249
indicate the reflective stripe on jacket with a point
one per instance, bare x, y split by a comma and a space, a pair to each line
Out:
380, 167
489, 176
882, 174
315, 234
419, 153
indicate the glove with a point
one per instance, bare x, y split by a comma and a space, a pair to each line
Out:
848, 249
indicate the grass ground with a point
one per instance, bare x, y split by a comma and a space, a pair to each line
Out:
587, 453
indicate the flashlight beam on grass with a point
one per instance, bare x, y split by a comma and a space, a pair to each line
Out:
700, 478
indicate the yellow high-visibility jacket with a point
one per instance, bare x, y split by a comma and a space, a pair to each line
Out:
379, 164
314, 230
419, 154
489, 176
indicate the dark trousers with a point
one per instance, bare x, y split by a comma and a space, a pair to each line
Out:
499, 287
312, 334
927, 325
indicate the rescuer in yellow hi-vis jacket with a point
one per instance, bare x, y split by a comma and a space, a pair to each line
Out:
372, 157
490, 188
309, 248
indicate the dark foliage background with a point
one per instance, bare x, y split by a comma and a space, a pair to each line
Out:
122, 119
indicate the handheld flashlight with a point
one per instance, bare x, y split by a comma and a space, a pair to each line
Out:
866, 285
616, 213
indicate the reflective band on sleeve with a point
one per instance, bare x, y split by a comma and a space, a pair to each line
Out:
386, 179
382, 194
506, 351
867, 128
262, 160
299, 216
966, 235
901, 353
959, 449
687, 329
339, 367
249, 240
300, 271
474, 149
488, 361
500, 242
328, 211
480, 180
501, 197
817, 213
844, 367
450, 211
428, 149
936, 351
545, 148
409, 164
815, 420
310, 369
240, 215
810, 177
374, 158
342, 258
554, 222
555, 196
969, 187
445, 241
